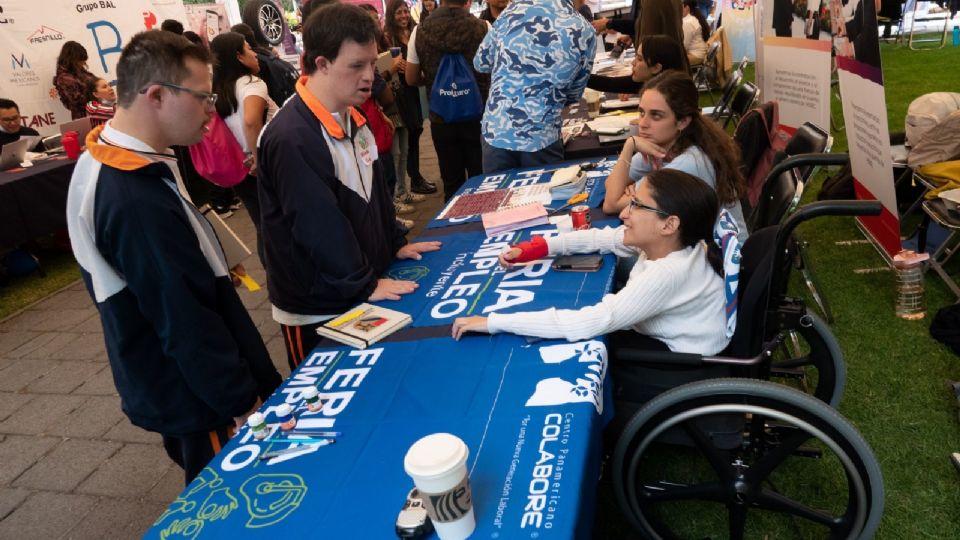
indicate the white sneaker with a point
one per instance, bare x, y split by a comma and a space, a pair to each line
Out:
405, 223
402, 208
411, 198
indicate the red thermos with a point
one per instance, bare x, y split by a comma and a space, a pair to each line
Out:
71, 145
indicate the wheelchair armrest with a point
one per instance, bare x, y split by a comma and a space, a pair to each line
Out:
646, 356
641, 356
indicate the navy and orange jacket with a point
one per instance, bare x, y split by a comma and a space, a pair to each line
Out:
326, 217
185, 355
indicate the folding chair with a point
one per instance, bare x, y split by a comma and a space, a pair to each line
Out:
716, 112
931, 176
936, 210
943, 16
702, 72
744, 62
784, 187
746, 97
809, 138
891, 14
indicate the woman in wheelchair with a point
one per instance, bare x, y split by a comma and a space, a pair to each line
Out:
673, 135
673, 298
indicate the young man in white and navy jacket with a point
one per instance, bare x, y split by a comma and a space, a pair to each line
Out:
187, 360
327, 219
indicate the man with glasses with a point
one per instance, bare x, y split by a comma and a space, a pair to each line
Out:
11, 126
187, 360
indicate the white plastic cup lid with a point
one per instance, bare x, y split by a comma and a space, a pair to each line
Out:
435, 455
284, 409
310, 392
255, 419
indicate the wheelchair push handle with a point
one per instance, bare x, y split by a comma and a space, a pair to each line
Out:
805, 160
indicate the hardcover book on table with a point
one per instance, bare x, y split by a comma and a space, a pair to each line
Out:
364, 325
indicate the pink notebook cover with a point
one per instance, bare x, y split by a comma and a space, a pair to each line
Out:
514, 218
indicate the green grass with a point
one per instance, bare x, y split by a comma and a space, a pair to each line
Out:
896, 389
61, 270
897, 393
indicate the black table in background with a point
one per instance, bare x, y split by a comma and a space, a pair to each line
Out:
33, 201
587, 145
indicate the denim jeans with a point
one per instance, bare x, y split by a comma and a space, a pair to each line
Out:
499, 159
399, 153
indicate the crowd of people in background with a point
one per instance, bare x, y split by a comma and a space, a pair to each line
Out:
398, 109
332, 154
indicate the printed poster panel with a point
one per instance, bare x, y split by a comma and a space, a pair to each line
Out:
737, 22
795, 66
31, 39
865, 115
531, 417
207, 20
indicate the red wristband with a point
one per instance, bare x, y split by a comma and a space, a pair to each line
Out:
531, 250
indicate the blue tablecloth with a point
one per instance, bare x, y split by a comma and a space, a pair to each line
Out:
530, 176
465, 278
531, 414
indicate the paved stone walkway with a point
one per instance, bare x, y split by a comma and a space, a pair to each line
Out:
71, 464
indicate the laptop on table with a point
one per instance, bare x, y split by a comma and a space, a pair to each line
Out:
81, 126
12, 154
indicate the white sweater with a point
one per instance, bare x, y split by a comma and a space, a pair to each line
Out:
693, 38
677, 299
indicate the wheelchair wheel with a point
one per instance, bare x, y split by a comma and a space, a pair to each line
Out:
740, 458
810, 360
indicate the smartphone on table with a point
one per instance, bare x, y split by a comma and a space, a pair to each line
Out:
578, 263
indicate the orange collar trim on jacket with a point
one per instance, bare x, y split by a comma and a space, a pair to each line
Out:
119, 157
322, 114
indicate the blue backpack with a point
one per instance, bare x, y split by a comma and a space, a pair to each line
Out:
455, 96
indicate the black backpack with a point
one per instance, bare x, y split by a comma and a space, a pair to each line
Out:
280, 77
839, 186
945, 327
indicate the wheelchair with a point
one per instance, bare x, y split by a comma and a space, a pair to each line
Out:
739, 456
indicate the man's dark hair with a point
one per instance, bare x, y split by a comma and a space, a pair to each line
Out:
8, 104
309, 6
455, 3
327, 29
154, 56
193, 37
172, 25
246, 31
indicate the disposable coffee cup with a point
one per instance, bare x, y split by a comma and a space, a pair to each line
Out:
394, 51
438, 465
593, 103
